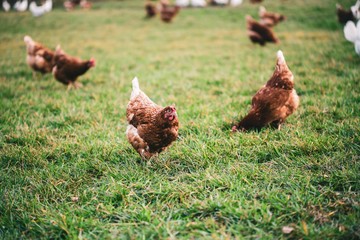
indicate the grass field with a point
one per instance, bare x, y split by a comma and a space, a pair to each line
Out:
67, 170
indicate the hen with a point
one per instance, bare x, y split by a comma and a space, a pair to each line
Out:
168, 12
38, 57
151, 128
219, 2
36, 10
21, 6
198, 3
274, 102
259, 33
150, 9
356, 10
344, 15
6, 6
352, 34
67, 68
182, 3
84, 4
235, 3
270, 19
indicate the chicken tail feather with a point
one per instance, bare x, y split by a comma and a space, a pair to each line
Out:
250, 121
28, 40
280, 57
135, 88
350, 31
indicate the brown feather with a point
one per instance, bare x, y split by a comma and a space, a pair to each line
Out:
270, 19
38, 57
67, 68
168, 12
150, 131
274, 102
150, 9
259, 33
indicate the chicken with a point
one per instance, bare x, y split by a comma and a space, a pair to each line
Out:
21, 6
151, 128
352, 34
270, 19
356, 10
259, 33
198, 3
235, 3
344, 15
67, 68
36, 11
150, 9
48, 5
85, 4
69, 5
38, 57
168, 12
182, 3
274, 102
6, 5
219, 2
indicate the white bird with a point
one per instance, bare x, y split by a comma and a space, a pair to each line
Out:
352, 34
182, 3
198, 3
355, 10
6, 6
220, 2
36, 10
48, 5
21, 6
235, 3
16, 5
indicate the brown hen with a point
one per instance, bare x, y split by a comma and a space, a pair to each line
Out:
168, 12
274, 102
270, 19
38, 57
259, 33
150, 9
151, 128
67, 68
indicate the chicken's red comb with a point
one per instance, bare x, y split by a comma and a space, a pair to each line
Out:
92, 62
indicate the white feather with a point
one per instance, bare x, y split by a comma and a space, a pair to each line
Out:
198, 3
132, 130
21, 6
36, 11
357, 47
135, 88
352, 34
16, 5
48, 5
182, 3
28, 39
235, 3
221, 2
280, 57
355, 10
6, 6
262, 10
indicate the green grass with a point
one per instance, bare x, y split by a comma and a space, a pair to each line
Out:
67, 171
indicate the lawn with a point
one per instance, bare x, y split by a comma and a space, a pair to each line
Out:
68, 172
